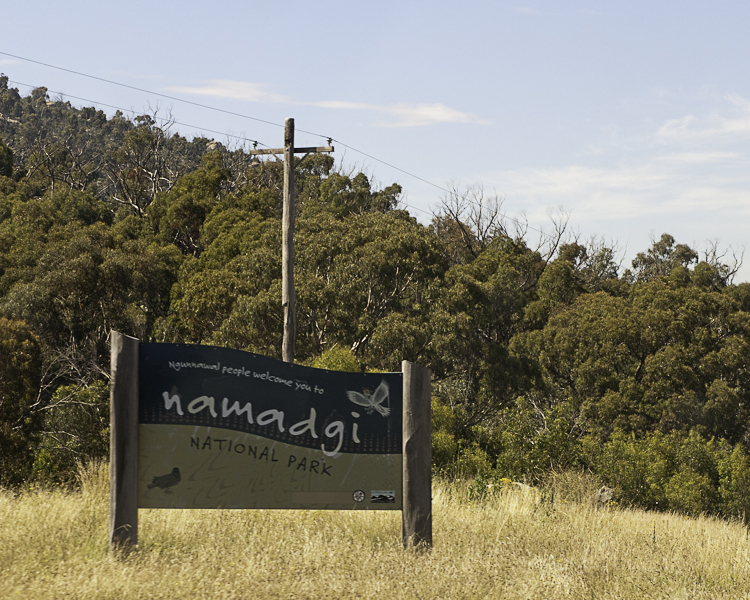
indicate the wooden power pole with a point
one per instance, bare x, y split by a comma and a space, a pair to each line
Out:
287, 235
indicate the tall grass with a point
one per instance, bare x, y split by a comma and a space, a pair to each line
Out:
502, 544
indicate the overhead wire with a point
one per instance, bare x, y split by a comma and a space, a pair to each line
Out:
130, 110
237, 137
145, 91
244, 116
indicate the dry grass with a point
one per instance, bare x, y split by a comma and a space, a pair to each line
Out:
515, 544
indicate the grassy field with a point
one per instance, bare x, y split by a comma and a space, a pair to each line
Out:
514, 544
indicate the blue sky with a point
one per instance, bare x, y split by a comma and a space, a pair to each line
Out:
633, 116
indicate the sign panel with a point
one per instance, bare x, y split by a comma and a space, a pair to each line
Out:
221, 428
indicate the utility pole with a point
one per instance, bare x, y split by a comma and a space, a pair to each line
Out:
288, 298
287, 235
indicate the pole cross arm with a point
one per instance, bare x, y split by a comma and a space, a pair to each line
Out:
296, 150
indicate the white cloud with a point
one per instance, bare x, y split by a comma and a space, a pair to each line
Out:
692, 158
234, 90
341, 104
527, 10
628, 203
388, 115
661, 177
609, 193
693, 189
715, 126
409, 115
406, 115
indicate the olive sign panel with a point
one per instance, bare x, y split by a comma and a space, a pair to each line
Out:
221, 428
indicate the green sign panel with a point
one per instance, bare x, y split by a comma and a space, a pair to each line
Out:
221, 428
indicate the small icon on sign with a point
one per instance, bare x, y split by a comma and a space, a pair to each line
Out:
358, 496
383, 496
166, 481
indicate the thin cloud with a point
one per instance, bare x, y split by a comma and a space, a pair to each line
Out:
406, 115
637, 191
713, 127
663, 176
388, 115
234, 90
692, 158
410, 115
527, 10
342, 104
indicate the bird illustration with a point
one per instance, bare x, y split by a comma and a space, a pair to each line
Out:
166, 481
372, 401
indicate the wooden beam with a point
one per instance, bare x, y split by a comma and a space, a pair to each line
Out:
416, 514
296, 150
123, 443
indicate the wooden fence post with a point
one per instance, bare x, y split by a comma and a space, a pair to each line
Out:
123, 443
416, 514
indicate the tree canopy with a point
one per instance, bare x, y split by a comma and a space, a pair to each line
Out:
543, 355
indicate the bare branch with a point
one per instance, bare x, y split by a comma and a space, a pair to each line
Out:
727, 262
550, 242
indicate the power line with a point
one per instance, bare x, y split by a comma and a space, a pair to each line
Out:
131, 87
244, 116
130, 110
163, 120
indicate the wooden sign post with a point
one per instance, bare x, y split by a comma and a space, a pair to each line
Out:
416, 515
123, 443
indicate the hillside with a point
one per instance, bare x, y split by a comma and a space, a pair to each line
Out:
545, 356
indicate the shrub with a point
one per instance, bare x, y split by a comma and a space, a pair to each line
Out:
20, 423
690, 492
338, 359
680, 472
532, 443
734, 484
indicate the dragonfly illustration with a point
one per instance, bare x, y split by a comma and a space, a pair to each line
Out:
372, 401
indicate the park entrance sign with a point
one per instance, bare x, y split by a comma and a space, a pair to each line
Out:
204, 427
221, 428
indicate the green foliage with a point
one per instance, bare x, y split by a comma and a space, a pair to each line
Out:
474, 318
363, 282
543, 359
86, 284
663, 358
338, 359
532, 443
444, 444
680, 472
734, 484
20, 375
6, 160
523, 445
76, 427
178, 215
342, 196
663, 259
